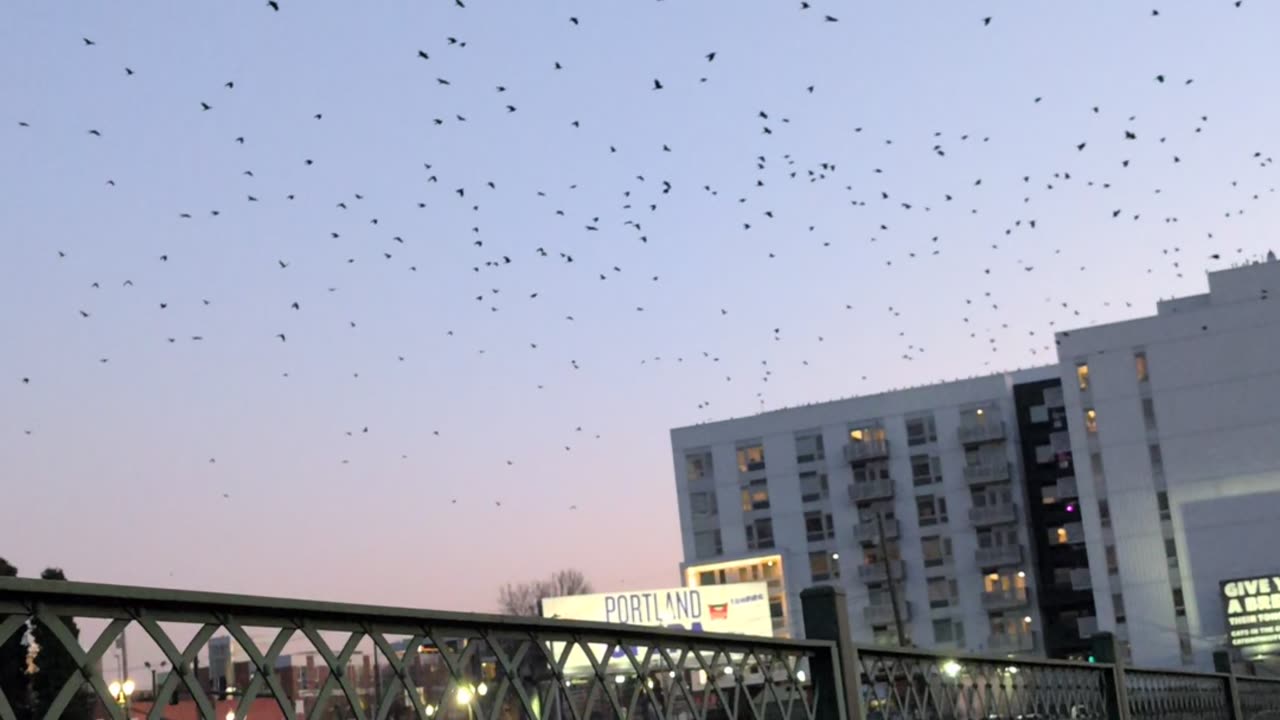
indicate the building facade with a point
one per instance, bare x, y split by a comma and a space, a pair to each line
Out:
1174, 419
1021, 512
921, 487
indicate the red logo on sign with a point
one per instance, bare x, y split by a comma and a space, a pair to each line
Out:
719, 612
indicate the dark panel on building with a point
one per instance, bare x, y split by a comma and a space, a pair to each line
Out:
1062, 589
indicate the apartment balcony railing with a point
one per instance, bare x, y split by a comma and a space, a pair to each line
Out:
1011, 599
882, 613
1081, 579
866, 532
998, 556
1066, 489
860, 451
875, 572
871, 490
974, 433
1001, 514
987, 472
1011, 642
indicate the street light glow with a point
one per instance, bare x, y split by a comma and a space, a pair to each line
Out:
114, 688
231, 715
951, 668
482, 689
128, 687
464, 695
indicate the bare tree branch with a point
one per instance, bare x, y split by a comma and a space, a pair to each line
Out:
522, 598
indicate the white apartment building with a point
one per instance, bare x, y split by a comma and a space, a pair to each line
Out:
1174, 422
938, 464
1023, 512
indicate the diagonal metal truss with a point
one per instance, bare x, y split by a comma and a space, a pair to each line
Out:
1259, 699
1177, 696
454, 666
897, 684
430, 665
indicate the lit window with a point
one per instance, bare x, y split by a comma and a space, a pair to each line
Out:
1061, 535
856, 435
751, 458
755, 496
1082, 374
1091, 420
1140, 361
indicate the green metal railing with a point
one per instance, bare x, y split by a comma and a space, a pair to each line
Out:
911, 684
437, 665
327, 661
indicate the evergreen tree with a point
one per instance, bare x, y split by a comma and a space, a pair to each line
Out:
13, 662
53, 665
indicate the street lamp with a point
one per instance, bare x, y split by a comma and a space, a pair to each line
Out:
120, 691
163, 664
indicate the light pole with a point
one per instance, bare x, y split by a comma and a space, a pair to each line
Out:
163, 664
120, 692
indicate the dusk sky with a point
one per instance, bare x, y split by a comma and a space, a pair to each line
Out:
890, 243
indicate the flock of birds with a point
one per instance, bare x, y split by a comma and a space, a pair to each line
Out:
490, 263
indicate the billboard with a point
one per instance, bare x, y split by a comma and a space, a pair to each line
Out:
738, 608
1253, 610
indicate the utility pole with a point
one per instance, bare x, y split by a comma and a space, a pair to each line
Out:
888, 573
124, 673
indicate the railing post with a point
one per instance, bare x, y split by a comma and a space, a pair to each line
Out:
1106, 650
1222, 663
826, 617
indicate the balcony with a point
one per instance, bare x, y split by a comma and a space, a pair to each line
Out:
1081, 579
1066, 489
874, 572
882, 613
860, 451
974, 433
1011, 642
866, 533
987, 472
1010, 599
999, 555
871, 490
1002, 514
1069, 534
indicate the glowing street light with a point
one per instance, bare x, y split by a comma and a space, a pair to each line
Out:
121, 691
464, 695
951, 668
